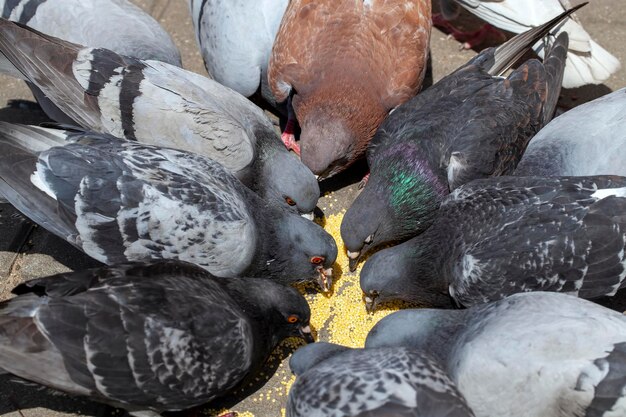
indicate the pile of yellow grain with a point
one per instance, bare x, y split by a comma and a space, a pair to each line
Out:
338, 317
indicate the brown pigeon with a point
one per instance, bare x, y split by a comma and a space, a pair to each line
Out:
345, 65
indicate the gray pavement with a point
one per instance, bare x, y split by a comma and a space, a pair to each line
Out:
28, 251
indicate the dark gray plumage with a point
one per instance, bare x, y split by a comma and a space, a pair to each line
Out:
471, 124
503, 235
536, 354
335, 381
146, 337
160, 104
124, 201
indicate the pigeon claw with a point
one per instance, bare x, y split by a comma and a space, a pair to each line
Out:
289, 139
325, 278
364, 181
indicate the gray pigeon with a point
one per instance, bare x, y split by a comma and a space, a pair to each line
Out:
588, 140
536, 354
117, 25
504, 235
123, 201
236, 39
160, 104
336, 381
148, 338
471, 124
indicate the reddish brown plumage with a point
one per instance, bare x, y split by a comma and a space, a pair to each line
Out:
350, 62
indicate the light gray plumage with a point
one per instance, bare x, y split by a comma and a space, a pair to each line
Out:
117, 25
146, 337
164, 105
236, 39
587, 61
335, 381
123, 201
588, 140
530, 355
504, 235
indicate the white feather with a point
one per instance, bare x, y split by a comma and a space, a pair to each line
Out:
606, 192
587, 62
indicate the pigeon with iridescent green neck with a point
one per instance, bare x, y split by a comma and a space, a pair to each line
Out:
471, 124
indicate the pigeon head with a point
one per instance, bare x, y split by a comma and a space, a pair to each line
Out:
310, 355
399, 201
407, 272
282, 308
427, 330
297, 250
338, 120
283, 178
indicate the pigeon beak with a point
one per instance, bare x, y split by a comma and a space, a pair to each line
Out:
308, 216
305, 332
371, 302
354, 260
325, 278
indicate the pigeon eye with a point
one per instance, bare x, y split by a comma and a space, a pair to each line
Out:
290, 201
317, 260
292, 319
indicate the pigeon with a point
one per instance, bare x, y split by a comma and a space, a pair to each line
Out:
587, 140
162, 336
587, 62
160, 104
236, 40
336, 381
346, 64
117, 25
121, 201
536, 354
504, 235
471, 124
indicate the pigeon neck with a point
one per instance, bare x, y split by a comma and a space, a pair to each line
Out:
424, 265
266, 146
416, 188
271, 250
253, 300
426, 330
438, 333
